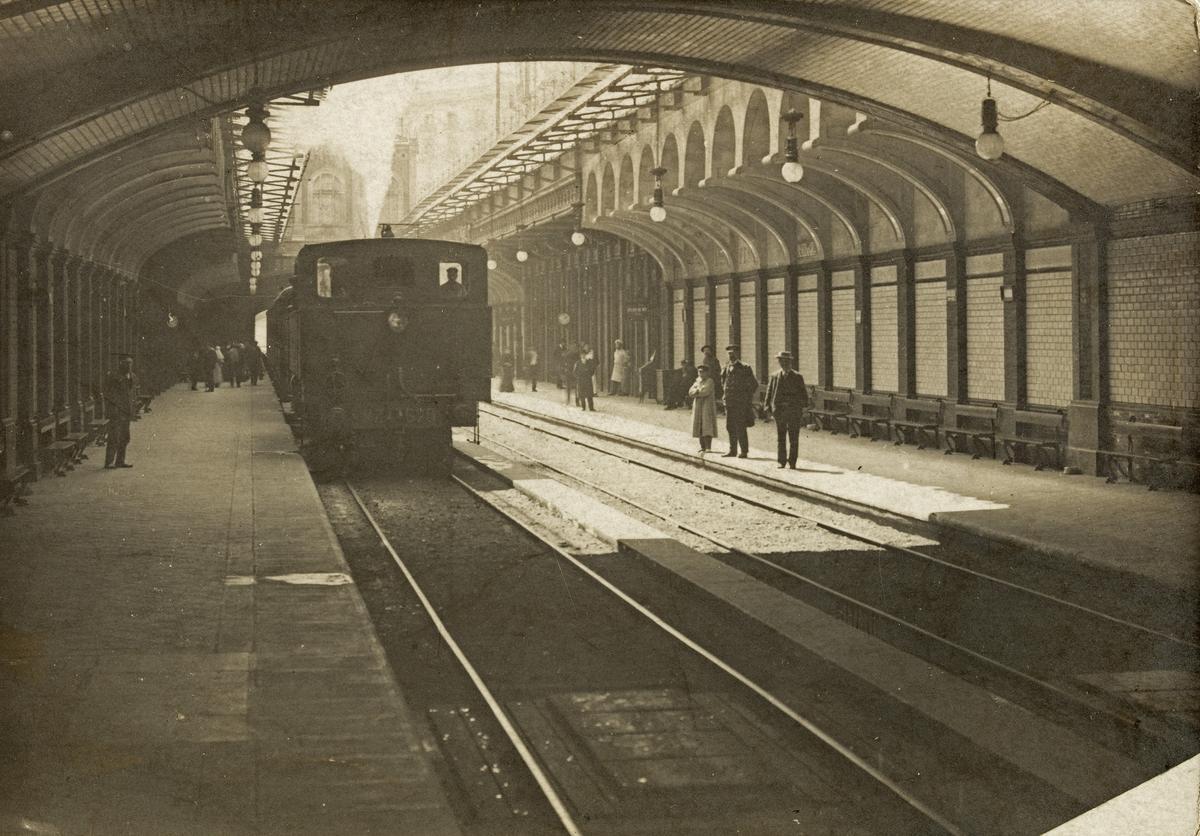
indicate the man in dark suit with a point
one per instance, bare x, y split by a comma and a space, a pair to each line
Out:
740, 386
787, 398
119, 388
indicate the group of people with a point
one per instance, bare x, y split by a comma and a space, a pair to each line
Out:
734, 389
237, 362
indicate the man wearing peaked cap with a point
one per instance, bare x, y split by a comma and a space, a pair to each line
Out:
786, 400
740, 386
119, 388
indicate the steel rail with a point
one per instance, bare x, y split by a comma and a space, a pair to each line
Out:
654, 450
1044, 685
775, 702
539, 775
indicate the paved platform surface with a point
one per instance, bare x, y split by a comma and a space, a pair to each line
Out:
182, 649
1122, 527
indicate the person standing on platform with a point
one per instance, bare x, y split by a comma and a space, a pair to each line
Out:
532, 361
703, 393
646, 377
740, 386
196, 367
708, 357
560, 371
218, 367
585, 369
506, 372
786, 400
233, 365
567, 361
119, 388
620, 369
253, 361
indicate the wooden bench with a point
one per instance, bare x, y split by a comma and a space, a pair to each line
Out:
142, 405
56, 456
1154, 454
14, 486
99, 430
80, 442
829, 409
1039, 435
871, 413
974, 426
916, 421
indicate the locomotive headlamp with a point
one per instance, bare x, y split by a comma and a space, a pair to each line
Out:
397, 321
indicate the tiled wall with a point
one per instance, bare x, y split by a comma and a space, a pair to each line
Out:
930, 338
843, 337
747, 319
1154, 319
985, 339
1048, 338
806, 322
885, 376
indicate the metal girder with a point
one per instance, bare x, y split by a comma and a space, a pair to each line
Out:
590, 107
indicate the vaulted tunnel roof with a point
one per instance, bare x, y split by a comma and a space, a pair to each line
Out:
1117, 82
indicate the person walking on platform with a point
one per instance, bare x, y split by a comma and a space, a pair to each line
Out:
233, 365
646, 377
585, 369
253, 361
703, 393
119, 388
620, 369
532, 362
786, 400
740, 386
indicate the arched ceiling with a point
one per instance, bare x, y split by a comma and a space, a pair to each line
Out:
1119, 79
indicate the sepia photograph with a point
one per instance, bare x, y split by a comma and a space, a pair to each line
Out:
600, 417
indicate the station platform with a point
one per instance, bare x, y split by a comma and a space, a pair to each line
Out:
1121, 530
182, 649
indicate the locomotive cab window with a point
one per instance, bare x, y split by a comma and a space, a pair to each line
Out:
451, 278
393, 271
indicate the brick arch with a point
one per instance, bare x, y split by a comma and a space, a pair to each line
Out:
694, 156
756, 130
723, 145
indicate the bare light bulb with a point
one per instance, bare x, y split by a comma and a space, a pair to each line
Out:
257, 171
990, 146
578, 238
658, 214
792, 171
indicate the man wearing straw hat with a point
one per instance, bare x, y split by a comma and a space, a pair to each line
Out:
786, 400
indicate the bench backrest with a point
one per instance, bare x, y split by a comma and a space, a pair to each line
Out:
1153, 439
874, 405
911, 409
971, 417
831, 400
1042, 425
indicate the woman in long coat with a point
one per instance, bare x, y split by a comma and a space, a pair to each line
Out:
620, 369
704, 408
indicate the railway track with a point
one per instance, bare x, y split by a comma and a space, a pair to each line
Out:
803, 777
1071, 639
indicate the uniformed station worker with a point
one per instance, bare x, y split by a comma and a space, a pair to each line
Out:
740, 387
120, 388
786, 400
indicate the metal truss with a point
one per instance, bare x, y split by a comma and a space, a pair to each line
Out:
610, 100
285, 165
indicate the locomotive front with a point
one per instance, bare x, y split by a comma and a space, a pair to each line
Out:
392, 338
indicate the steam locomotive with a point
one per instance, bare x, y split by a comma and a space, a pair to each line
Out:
383, 345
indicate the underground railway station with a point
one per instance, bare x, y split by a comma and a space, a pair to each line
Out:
778, 416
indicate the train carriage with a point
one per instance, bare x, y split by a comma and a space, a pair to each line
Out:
386, 345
